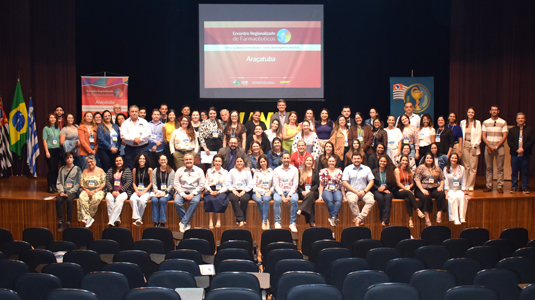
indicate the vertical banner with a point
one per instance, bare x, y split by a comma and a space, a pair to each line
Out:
102, 93
418, 90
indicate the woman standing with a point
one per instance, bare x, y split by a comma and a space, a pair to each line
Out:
309, 137
260, 137
379, 135
384, 184
162, 191
119, 121
457, 134
455, 189
142, 174
331, 189
93, 184
362, 133
263, 189
98, 118
275, 154
426, 136
289, 130
109, 137
195, 120
87, 133
429, 181
410, 134
239, 184
323, 161
68, 138
340, 137
211, 134
309, 116
405, 184
308, 191
215, 198
167, 131
471, 139
52, 151
254, 153
394, 138
324, 127
235, 129
183, 141
254, 121
355, 147
444, 140
274, 131
119, 186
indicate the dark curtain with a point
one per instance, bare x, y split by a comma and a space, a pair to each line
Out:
493, 59
37, 42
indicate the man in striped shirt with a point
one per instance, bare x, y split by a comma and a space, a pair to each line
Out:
494, 135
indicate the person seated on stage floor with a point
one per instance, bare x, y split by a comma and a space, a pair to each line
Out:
358, 181
308, 191
362, 133
298, 158
331, 189
455, 190
405, 184
310, 138
52, 151
339, 137
384, 184
355, 147
254, 121
373, 116
379, 134
260, 137
444, 140
68, 186
188, 185
143, 113
406, 150
109, 137
183, 141
282, 115
93, 184
116, 112
211, 134
87, 134
275, 131
429, 181
289, 130
230, 153
520, 140
285, 181
254, 153
275, 154
216, 199
142, 174
373, 160
328, 152
162, 191
163, 112
234, 129
224, 114
135, 132
119, 186
186, 110
263, 189
239, 186
156, 138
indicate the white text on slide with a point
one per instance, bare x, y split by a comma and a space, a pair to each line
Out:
260, 59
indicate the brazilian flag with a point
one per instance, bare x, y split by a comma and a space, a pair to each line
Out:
18, 122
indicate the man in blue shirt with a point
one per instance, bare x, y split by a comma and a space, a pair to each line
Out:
156, 138
358, 181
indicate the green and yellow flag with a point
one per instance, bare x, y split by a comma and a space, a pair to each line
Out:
18, 122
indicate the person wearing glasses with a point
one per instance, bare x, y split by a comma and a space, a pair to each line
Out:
494, 135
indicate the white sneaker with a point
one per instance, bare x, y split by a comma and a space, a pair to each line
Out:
267, 225
263, 225
332, 221
181, 227
188, 227
293, 227
457, 222
89, 222
278, 225
463, 221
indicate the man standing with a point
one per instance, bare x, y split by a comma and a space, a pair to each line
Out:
59, 115
494, 134
186, 110
282, 115
163, 113
156, 138
414, 119
373, 116
285, 181
188, 185
230, 153
135, 132
520, 140
142, 113
358, 181
224, 117
116, 111
346, 112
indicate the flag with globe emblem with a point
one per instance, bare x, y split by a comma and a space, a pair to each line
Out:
18, 122
5, 155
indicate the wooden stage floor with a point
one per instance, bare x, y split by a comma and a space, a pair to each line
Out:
22, 207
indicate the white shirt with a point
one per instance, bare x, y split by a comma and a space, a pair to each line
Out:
270, 135
237, 180
426, 136
180, 141
455, 181
393, 138
191, 181
214, 177
285, 180
130, 131
263, 181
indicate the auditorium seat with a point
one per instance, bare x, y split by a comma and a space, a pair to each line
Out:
144, 293
160, 233
327, 256
132, 272
9, 270
401, 269
291, 279
486, 255
141, 258
106, 285
352, 234
236, 265
172, 279
70, 274
7, 294
464, 269
89, 260
232, 294
286, 265
201, 233
319, 245
478, 236
524, 267
435, 235
504, 282
34, 286
312, 234
343, 266
56, 246
398, 291
235, 280
151, 246
69, 294
457, 247
392, 235
357, 283
362, 246
121, 235
379, 257
314, 292
518, 236
408, 247
276, 255
274, 235
186, 254
179, 264
38, 237
433, 256
471, 292
432, 284
80, 236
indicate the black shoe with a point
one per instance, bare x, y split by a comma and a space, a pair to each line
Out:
156, 224
60, 226
162, 225
55, 189
117, 223
68, 225
110, 226
50, 190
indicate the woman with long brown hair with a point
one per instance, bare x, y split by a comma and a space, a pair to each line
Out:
183, 141
340, 137
429, 181
211, 134
404, 189
52, 151
235, 129
87, 134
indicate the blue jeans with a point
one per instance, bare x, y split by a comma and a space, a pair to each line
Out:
131, 153
159, 215
185, 217
277, 207
333, 200
263, 205
520, 164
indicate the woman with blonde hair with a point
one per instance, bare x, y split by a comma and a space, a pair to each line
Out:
289, 131
308, 191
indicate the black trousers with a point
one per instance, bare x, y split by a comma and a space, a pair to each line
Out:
154, 158
52, 164
107, 159
410, 200
384, 202
239, 205
427, 202
59, 206
307, 206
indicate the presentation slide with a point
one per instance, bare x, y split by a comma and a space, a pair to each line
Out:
261, 51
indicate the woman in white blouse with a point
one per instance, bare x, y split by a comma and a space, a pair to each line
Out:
309, 137
183, 141
471, 140
215, 198
455, 190
263, 189
426, 135
239, 185
394, 138
274, 131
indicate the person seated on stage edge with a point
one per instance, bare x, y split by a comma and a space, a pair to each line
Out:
275, 154
230, 153
188, 185
358, 181
384, 184
331, 189
183, 141
216, 199
263, 189
162, 191
308, 191
455, 190
285, 181
429, 181
68, 186
135, 132
405, 185
235, 129
119, 187
239, 186
142, 173
298, 158
310, 138
93, 184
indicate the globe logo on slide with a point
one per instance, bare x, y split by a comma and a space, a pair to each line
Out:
118, 93
284, 36
237, 82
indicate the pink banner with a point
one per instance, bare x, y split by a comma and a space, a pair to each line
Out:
102, 93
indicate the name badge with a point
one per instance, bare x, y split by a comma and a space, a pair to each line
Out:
421, 136
300, 167
332, 186
431, 179
240, 185
520, 139
346, 143
54, 142
437, 138
68, 184
186, 142
391, 145
383, 183
455, 182
153, 136
91, 139
114, 138
141, 186
163, 186
285, 183
406, 140
407, 185
307, 186
117, 182
233, 135
265, 185
373, 143
91, 183
218, 186
360, 138
215, 133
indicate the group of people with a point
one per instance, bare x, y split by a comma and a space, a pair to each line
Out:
116, 157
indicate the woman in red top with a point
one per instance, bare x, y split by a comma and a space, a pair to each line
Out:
404, 188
